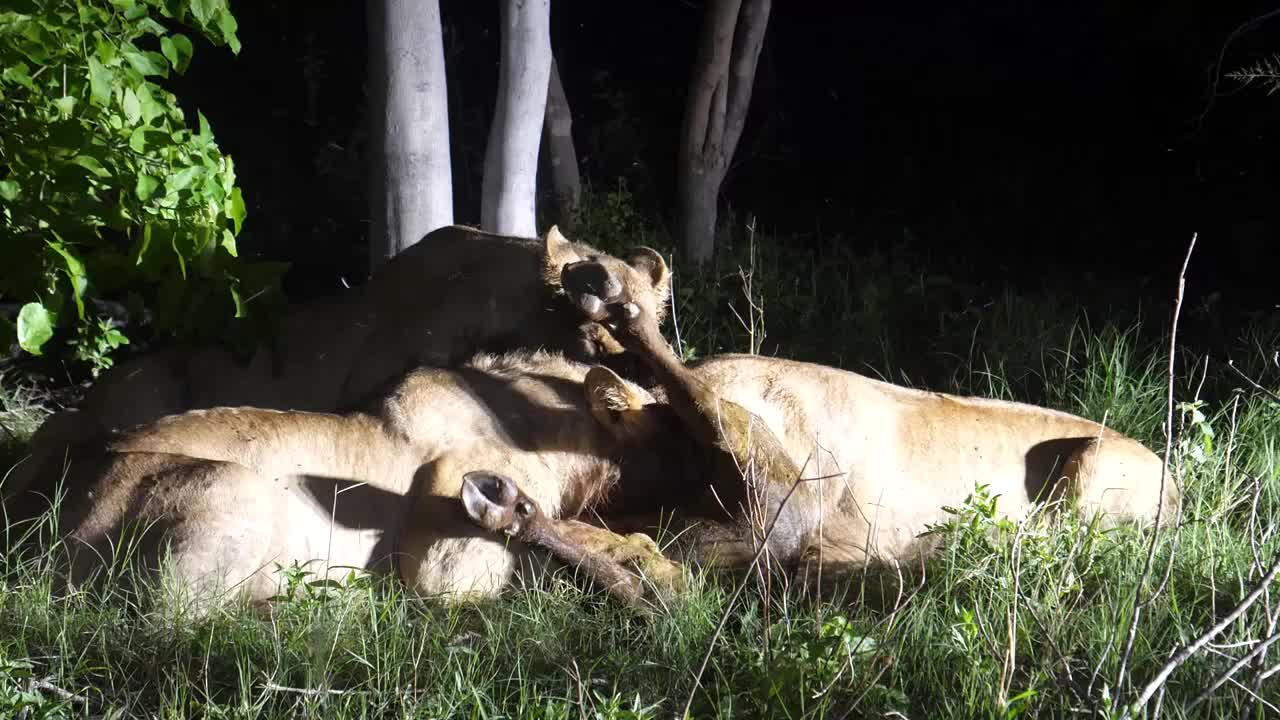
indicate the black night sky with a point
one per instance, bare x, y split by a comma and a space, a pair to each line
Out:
1037, 140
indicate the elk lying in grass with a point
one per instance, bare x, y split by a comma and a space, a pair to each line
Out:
845, 471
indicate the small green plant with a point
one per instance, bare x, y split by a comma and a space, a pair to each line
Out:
107, 191
95, 341
20, 698
303, 587
1196, 445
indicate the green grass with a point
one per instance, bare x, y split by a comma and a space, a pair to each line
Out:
1005, 621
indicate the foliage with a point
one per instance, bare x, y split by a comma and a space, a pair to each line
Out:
108, 192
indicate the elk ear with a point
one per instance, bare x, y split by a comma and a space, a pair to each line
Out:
609, 395
649, 261
557, 252
488, 499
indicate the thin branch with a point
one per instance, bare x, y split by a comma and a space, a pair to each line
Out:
47, 686
309, 692
1138, 603
1273, 396
1185, 654
1235, 668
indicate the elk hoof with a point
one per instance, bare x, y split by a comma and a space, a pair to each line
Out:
591, 305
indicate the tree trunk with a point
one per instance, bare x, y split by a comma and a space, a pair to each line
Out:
410, 188
561, 157
507, 201
716, 110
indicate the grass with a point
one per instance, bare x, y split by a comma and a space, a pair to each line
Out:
1006, 620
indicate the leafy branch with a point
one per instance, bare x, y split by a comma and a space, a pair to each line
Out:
108, 193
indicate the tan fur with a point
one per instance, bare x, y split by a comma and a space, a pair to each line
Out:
456, 291
881, 461
229, 493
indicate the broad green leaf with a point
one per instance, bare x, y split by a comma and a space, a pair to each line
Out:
143, 245
9, 190
35, 327
144, 139
147, 103
74, 269
79, 286
227, 24
132, 108
182, 261
138, 140
99, 83
146, 187
90, 163
206, 132
203, 10
182, 179
236, 299
229, 243
236, 209
105, 51
66, 105
74, 266
178, 50
146, 63
17, 74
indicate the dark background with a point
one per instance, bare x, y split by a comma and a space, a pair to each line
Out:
1028, 142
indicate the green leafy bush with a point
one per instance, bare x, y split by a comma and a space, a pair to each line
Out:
108, 193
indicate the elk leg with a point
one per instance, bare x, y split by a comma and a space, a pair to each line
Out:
494, 502
753, 471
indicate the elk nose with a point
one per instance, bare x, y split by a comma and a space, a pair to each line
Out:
590, 278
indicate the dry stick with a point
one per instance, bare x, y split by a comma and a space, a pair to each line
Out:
675, 317
1273, 397
1185, 654
1258, 650
64, 695
737, 591
1138, 603
1272, 617
309, 692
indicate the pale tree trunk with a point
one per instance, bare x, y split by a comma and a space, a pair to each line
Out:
410, 187
558, 150
507, 200
715, 112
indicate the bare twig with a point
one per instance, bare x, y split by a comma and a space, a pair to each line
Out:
675, 317
1138, 603
46, 685
1185, 654
309, 692
1231, 671
1270, 394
